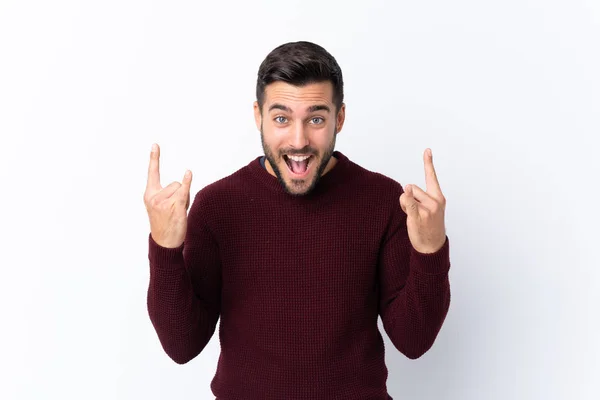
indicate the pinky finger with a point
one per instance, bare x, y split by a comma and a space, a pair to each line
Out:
187, 180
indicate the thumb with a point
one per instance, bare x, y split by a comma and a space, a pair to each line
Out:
408, 203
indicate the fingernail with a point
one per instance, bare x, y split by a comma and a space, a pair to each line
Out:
153, 146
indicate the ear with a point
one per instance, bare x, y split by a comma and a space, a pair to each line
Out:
340, 118
257, 116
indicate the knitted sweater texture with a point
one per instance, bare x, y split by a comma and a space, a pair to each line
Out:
298, 283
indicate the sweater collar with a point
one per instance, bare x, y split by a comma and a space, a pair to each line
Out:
331, 179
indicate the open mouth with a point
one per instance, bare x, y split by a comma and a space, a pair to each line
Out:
298, 165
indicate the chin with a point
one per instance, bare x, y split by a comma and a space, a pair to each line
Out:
299, 187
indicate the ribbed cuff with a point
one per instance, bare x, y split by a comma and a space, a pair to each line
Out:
432, 263
164, 257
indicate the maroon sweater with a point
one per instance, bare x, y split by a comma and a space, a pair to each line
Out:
298, 283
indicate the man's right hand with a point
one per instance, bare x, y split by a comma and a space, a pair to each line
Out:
167, 207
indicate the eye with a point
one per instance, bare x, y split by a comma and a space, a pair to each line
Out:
321, 120
277, 119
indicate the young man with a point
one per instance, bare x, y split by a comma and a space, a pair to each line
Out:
298, 252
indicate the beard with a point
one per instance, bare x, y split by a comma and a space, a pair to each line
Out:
296, 183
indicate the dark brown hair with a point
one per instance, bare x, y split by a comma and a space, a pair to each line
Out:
299, 64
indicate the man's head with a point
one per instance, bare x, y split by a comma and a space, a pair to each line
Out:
299, 111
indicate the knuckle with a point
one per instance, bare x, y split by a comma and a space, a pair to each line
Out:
166, 206
154, 202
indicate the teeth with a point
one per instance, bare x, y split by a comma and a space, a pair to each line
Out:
298, 158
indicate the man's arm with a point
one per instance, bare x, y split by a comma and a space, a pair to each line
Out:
184, 291
414, 288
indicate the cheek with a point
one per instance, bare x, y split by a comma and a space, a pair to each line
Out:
273, 140
276, 137
323, 138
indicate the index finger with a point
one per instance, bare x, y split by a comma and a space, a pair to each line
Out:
153, 168
431, 181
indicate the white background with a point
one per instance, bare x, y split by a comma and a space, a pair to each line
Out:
506, 93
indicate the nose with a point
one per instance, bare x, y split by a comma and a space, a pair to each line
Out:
299, 136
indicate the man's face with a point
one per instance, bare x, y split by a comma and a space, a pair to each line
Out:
297, 122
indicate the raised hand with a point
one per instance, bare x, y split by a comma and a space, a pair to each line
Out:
425, 211
167, 207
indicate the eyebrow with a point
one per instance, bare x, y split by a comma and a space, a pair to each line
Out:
317, 107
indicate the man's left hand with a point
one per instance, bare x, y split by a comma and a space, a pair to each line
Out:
425, 211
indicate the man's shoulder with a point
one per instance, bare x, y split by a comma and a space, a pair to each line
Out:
216, 200
377, 182
225, 188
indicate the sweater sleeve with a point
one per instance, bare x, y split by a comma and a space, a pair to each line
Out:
414, 288
184, 291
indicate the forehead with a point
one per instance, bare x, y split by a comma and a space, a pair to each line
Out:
299, 97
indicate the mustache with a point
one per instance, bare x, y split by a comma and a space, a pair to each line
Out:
298, 152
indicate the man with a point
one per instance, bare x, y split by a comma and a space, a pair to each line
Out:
298, 252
